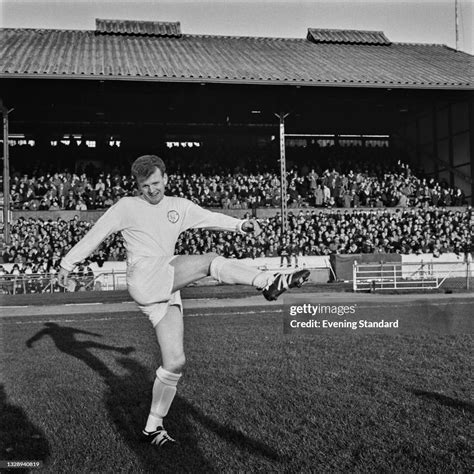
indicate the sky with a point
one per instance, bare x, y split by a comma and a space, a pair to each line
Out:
415, 21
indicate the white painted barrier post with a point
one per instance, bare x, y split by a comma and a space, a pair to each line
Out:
468, 270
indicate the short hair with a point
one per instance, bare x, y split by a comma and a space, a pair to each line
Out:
144, 166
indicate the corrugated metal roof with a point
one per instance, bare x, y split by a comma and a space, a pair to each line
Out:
85, 54
133, 27
347, 36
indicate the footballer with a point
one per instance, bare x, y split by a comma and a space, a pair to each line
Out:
150, 224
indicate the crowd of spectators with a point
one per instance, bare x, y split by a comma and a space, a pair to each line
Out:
38, 245
338, 178
328, 189
313, 232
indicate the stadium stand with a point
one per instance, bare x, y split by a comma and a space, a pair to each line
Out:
38, 245
318, 177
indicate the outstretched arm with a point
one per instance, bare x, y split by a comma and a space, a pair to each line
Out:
198, 218
109, 223
36, 337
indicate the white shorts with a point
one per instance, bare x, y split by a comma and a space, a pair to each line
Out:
157, 311
150, 282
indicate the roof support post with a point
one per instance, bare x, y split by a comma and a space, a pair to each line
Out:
6, 176
283, 180
471, 145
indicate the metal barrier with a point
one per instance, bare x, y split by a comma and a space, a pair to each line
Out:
48, 283
412, 276
101, 281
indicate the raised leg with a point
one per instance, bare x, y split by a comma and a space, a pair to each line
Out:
190, 268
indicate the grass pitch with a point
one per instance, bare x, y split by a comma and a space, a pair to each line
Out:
252, 399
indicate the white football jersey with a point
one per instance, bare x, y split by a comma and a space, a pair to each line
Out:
149, 230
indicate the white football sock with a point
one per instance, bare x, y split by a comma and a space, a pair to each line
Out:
164, 390
233, 272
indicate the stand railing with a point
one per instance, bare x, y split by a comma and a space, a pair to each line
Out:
48, 283
412, 276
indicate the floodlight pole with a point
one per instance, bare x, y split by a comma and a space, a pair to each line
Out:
283, 179
6, 176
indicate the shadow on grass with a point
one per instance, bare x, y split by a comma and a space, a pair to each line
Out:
19, 438
446, 401
64, 337
128, 401
230, 435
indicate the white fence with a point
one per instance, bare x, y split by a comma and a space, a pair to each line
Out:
48, 283
412, 275
112, 275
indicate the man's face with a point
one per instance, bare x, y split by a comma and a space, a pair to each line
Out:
153, 187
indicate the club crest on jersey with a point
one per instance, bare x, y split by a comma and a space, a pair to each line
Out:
173, 216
